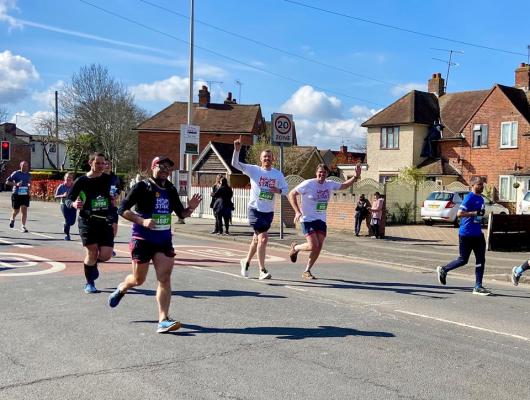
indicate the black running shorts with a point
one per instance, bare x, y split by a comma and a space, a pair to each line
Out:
143, 251
95, 230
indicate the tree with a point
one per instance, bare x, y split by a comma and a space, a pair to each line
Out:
3, 114
46, 130
96, 104
413, 176
294, 159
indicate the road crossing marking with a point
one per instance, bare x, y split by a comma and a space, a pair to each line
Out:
478, 328
43, 235
22, 246
17, 260
221, 253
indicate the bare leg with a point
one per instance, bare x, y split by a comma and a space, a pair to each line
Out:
136, 278
14, 214
252, 248
163, 267
24, 212
315, 252
263, 239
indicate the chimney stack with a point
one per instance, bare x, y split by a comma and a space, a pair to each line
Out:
437, 84
204, 97
522, 77
229, 99
343, 149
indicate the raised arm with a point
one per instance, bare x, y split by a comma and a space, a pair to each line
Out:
235, 156
346, 184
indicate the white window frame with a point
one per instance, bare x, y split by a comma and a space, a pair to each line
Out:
480, 134
511, 142
386, 131
510, 196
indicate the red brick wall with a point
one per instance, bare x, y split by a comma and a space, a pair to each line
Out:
491, 161
19, 153
152, 144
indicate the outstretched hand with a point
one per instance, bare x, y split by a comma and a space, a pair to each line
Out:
195, 201
237, 144
297, 217
357, 172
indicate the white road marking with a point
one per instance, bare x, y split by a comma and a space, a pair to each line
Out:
295, 288
34, 260
478, 328
43, 235
22, 246
213, 270
221, 253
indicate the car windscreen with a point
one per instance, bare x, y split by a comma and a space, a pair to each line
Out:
440, 196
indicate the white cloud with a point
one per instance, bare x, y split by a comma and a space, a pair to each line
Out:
46, 98
15, 73
172, 89
5, 6
209, 71
307, 102
404, 88
28, 122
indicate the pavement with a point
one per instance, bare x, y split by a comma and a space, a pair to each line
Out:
416, 247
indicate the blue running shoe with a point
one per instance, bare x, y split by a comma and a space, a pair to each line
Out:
90, 288
113, 253
515, 276
168, 325
115, 297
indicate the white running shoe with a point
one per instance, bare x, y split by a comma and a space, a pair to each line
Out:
244, 267
264, 274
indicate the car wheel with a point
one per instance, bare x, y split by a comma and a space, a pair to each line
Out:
428, 222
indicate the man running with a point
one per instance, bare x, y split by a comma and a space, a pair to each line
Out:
315, 194
155, 199
470, 236
91, 195
21, 181
265, 182
518, 271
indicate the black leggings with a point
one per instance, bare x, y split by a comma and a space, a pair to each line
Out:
219, 219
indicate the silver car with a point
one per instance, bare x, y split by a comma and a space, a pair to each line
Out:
524, 205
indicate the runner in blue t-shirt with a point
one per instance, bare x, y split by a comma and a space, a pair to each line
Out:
471, 238
155, 199
20, 180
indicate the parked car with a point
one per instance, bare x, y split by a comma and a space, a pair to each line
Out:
442, 206
524, 205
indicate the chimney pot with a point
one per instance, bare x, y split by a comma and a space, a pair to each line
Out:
436, 84
522, 77
204, 97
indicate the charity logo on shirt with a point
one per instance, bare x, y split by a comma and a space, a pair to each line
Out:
321, 198
22, 190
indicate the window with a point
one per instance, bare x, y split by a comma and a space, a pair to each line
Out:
506, 189
480, 135
508, 134
33, 147
390, 137
52, 148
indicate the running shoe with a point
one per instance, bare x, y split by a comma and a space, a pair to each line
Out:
264, 274
168, 325
481, 291
308, 275
67, 238
90, 288
442, 275
23, 229
244, 267
515, 277
113, 253
293, 254
115, 297
11, 224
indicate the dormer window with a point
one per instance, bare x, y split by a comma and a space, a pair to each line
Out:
480, 135
390, 137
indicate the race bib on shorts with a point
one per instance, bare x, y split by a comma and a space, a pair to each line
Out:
162, 222
322, 206
100, 204
266, 195
22, 190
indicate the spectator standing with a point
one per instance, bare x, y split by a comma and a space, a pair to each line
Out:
361, 212
223, 206
215, 187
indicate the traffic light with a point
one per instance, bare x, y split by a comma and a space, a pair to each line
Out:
6, 150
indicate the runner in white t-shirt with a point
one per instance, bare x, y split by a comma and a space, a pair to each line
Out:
315, 194
265, 183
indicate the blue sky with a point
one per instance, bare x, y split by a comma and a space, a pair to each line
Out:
42, 43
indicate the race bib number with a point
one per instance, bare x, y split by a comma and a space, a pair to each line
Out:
100, 204
22, 190
322, 206
265, 195
162, 222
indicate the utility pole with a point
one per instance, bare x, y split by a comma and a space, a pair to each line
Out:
239, 83
57, 126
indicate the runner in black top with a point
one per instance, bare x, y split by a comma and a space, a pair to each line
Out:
155, 199
91, 195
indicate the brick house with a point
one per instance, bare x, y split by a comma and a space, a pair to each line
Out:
455, 136
19, 149
223, 123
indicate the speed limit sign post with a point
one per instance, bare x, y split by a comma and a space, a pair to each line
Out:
282, 134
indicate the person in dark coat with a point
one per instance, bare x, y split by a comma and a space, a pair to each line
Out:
361, 212
215, 186
223, 206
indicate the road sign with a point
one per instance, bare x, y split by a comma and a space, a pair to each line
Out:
282, 128
189, 139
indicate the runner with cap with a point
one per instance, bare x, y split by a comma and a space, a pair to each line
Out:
155, 199
21, 181
265, 183
91, 195
315, 194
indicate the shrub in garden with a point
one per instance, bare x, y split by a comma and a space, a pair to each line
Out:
44, 189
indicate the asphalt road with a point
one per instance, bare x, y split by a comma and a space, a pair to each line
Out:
363, 330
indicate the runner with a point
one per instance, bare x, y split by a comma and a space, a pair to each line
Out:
518, 271
21, 181
315, 194
69, 214
471, 238
265, 182
91, 195
115, 191
155, 199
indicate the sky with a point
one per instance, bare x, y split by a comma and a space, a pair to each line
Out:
332, 64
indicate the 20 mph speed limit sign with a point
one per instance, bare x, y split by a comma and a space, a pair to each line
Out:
282, 128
